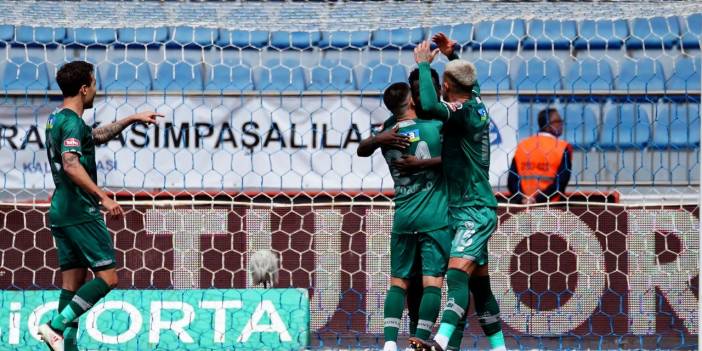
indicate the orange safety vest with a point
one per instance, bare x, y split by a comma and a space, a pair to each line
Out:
537, 160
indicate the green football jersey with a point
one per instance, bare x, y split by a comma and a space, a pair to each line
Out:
466, 147
420, 198
67, 132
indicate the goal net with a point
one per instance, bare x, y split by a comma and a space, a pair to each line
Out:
265, 105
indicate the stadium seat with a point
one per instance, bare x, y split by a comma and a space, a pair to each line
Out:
461, 33
550, 34
500, 34
90, 36
654, 33
601, 34
543, 76
493, 75
332, 75
229, 77
242, 39
22, 74
677, 126
377, 76
401, 38
180, 76
345, 40
686, 77
127, 75
641, 75
580, 126
7, 32
142, 36
295, 40
625, 127
692, 33
587, 75
279, 76
41, 36
193, 37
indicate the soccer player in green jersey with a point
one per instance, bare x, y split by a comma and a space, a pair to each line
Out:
420, 240
77, 224
472, 205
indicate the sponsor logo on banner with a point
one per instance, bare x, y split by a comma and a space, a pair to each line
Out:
71, 142
241, 319
238, 143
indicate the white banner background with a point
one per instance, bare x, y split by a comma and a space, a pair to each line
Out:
253, 143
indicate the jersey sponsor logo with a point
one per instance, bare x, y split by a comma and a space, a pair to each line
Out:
50, 122
71, 142
483, 113
412, 135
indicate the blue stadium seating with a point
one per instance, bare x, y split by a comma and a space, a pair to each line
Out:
242, 39
345, 40
580, 127
461, 33
601, 34
193, 37
654, 33
132, 75
686, 76
90, 36
229, 77
41, 36
22, 74
550, 34
641, 75
7, 32
401, 38
677, 126
279, 76
377, 75
493, 75
625, 127
500, 34
540, 75
180, 76
294, 40
589, 74
143, 36
332, 76
691, 36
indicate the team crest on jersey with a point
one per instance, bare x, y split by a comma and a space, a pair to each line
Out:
71, 142
412, 135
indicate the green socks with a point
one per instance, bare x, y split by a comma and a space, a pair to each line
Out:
428, 311
392, 312
70, 334
458, 298
83, 300
487, 310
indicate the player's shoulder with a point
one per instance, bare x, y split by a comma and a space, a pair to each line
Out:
389, 122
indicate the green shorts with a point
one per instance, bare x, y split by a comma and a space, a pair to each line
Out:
421, 253
472, 228
85, 245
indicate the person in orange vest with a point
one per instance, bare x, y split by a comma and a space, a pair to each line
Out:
541, 167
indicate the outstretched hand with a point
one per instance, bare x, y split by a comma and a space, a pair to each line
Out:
444, 44
391, 138
148, 117
423, 52
407, 164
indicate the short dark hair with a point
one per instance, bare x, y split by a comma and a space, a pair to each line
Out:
395, 97
73, 75
413, 81
545, 117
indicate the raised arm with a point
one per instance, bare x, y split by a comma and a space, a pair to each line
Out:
104, 134
427, 95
